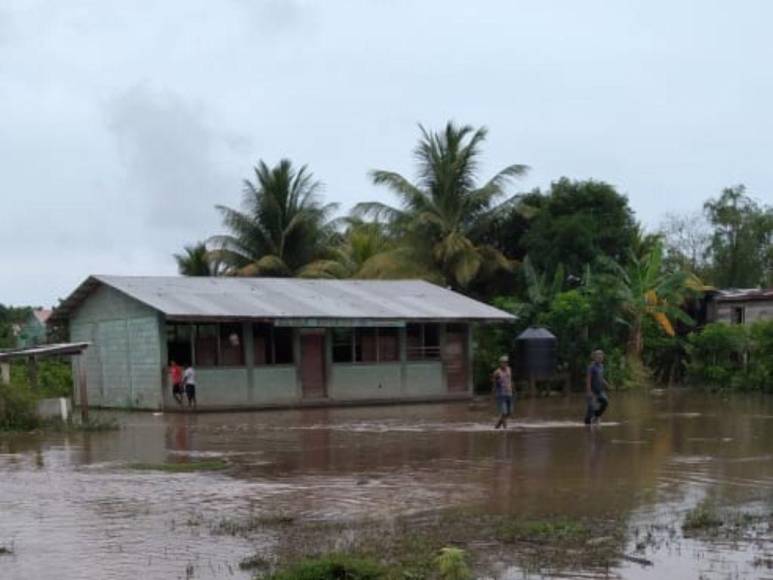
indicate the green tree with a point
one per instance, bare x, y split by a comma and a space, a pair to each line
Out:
578, 221
646, 290
368, 250
197, 260
443, 216
742, 243
686, 240
283, 228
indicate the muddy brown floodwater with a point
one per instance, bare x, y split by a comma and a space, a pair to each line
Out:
71, 507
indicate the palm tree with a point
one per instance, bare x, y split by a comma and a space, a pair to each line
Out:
283, 228
444, 215
369, 250
196, 260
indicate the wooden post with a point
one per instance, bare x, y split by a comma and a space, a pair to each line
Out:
32, 371
5, 373
80, 380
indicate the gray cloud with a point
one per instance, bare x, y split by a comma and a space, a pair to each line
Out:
169, 155
123, 125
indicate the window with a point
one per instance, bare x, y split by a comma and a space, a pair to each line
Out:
231, 345
388, 344
739, 315
283, 346
343, 345
273, 345
206, 345
263, 350
423, 341
179, 343
366, 345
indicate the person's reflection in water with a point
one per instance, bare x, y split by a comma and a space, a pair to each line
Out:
596, 444
504, 472
178, 434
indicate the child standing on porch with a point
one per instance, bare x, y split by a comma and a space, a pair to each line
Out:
189, 380
176, 378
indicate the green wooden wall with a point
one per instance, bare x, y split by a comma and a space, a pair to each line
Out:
123, 365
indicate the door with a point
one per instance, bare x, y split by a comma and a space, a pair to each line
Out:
455, 360
313, 365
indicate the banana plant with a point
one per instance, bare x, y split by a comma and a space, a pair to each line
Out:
646, 290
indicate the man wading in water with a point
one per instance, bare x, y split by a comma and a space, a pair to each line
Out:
595, 389
503, 389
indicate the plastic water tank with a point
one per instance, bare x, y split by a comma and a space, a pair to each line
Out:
537, 352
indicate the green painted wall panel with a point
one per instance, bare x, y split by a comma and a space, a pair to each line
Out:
221, 387
274, 384
123, 364
364, 381
424, 379
144, 362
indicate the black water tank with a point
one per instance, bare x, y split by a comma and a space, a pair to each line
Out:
537, 352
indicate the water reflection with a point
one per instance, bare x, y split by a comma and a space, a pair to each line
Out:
68, 502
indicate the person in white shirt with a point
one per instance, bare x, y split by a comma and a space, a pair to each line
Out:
189, 380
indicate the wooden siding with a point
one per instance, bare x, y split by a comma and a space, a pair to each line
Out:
123, 365
753, 311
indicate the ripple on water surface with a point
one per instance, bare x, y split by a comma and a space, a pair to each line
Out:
70, 504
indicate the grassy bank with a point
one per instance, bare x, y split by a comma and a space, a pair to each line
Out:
445, 545
192, 466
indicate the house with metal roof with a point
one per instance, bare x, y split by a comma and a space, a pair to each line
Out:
33, 331
741, 306
262, 342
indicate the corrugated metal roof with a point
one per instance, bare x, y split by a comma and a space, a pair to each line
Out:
42, 314
59, 349
290, 298
744, 295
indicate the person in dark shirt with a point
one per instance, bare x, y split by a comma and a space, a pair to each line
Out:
503, 389
596, 389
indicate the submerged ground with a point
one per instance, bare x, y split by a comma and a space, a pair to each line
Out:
549, 497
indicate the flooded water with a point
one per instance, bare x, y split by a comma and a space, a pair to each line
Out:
71, 507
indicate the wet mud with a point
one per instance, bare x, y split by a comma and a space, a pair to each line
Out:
260, 485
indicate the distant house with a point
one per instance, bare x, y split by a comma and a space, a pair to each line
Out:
258, 342
740, 306
33, 331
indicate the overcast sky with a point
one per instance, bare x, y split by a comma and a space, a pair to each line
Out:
123, 123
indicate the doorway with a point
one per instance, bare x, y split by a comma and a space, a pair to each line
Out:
313, 370
455, 359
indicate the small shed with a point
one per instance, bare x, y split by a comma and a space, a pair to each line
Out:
741, 306
261, 342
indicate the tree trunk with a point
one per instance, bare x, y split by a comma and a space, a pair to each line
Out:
635, 342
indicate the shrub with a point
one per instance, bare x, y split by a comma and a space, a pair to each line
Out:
452, 564
732, 356
760, 362
54, 377
332, 567
17, 407
703, 517
717, 354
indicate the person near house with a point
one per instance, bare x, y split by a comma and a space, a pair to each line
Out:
189, 380
176, 378
503, 390
596, 389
